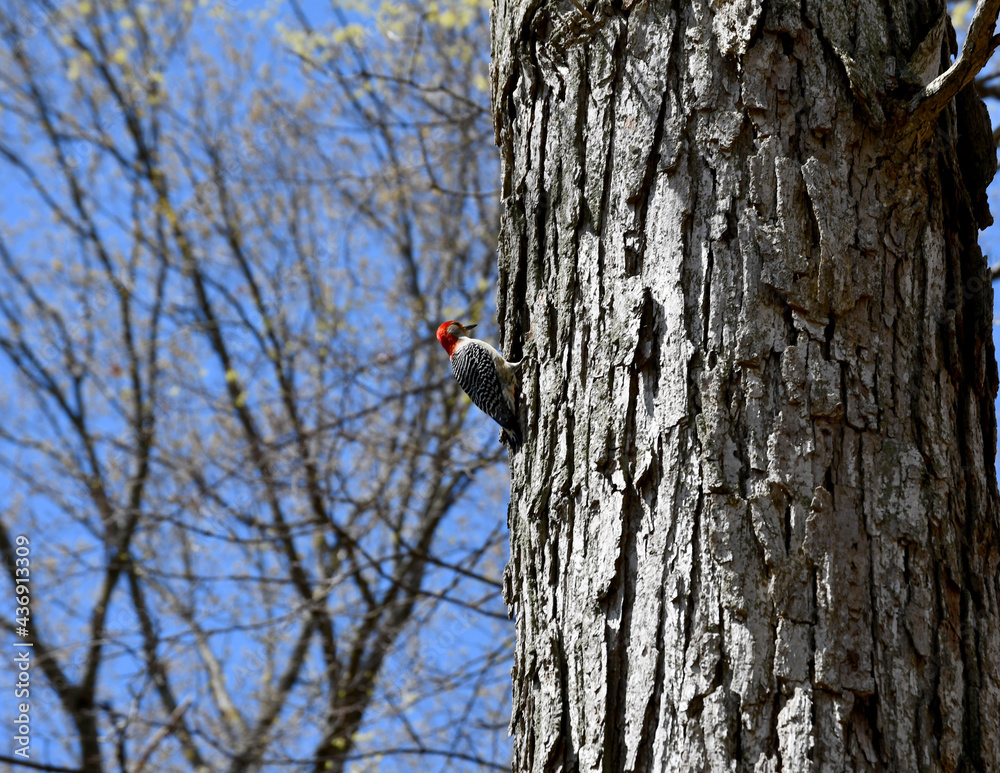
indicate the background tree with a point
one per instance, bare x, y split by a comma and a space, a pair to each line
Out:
757, 526
264, 533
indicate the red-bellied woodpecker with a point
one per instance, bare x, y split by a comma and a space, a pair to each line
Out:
487, 378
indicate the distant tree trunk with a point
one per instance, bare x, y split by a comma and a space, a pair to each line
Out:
754, 526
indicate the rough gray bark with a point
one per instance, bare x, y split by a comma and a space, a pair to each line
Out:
754, 526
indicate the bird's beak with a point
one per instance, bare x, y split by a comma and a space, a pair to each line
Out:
469, 327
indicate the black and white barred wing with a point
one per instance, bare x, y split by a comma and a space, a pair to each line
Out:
475, 370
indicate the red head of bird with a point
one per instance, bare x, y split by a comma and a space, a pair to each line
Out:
449, 332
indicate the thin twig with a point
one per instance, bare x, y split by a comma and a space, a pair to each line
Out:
37, 765
163, 732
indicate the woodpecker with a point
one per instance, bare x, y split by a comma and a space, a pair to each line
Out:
487, 378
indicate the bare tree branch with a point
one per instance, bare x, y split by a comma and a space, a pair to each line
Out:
980, 43
161, 734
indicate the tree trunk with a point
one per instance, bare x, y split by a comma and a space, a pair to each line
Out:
754, 526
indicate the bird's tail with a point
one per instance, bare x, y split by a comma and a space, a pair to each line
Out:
512, 437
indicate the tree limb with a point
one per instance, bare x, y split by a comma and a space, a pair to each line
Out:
980, 43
